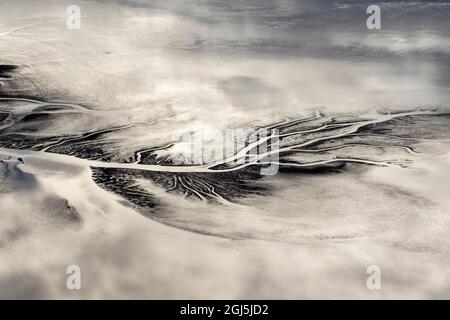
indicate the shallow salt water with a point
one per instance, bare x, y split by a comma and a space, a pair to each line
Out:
90, 127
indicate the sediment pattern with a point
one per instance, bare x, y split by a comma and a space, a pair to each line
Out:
318, 143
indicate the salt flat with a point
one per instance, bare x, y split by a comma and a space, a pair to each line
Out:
94, 173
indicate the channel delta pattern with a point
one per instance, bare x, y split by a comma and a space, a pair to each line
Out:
324, 144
